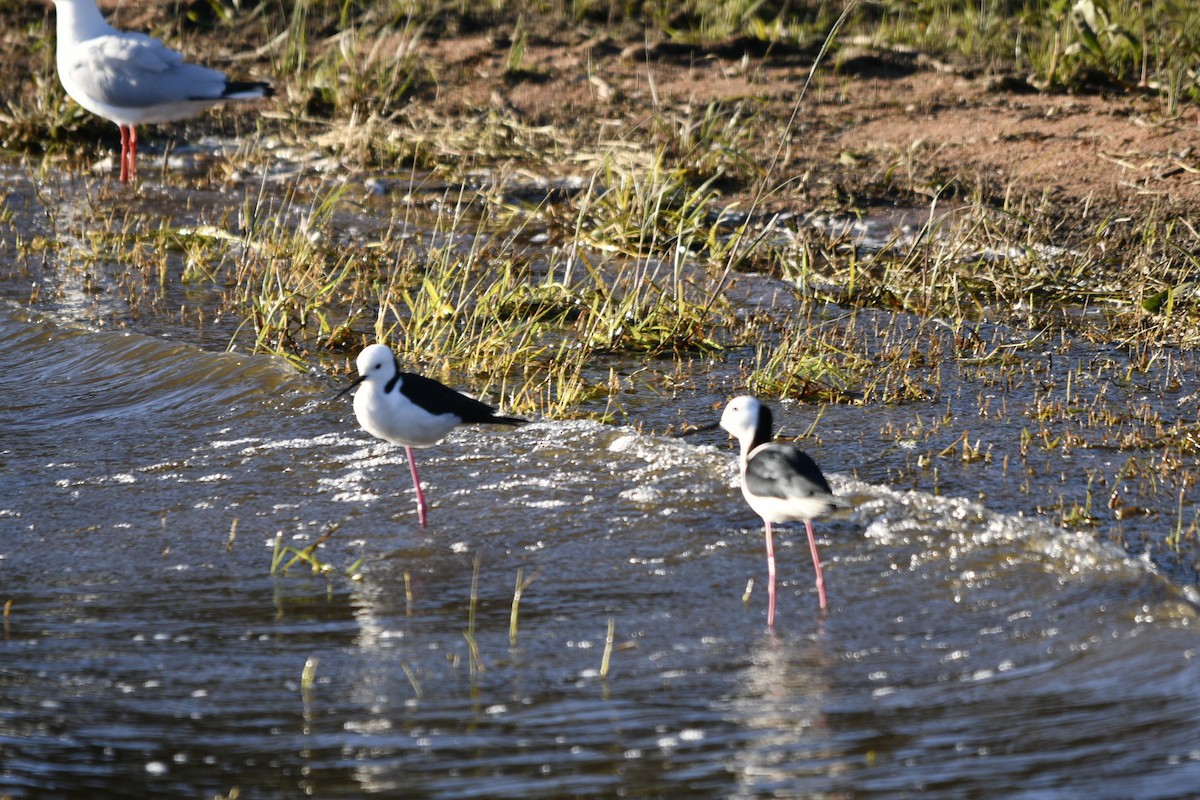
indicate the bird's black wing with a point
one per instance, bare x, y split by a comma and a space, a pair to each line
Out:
784, 471
441, 399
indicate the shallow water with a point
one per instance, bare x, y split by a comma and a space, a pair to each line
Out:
970, 649
965, 653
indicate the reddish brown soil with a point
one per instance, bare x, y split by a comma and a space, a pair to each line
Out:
872, 115
874, 126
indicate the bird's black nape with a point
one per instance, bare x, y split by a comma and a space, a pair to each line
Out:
764, 431
390, 386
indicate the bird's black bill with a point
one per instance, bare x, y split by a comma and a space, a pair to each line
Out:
353, 383
698, 429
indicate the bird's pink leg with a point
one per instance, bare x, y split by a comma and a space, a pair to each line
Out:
770, 579
412, 467
812, 545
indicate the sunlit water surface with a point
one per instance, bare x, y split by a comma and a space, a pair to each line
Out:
149, 652
969, 650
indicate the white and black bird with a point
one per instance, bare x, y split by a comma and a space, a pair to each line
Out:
132, 79
411, 410
779, 481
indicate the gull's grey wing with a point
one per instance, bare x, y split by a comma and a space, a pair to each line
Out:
137, 71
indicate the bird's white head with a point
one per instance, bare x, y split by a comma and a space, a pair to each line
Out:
376, 363
748, 421
78, 20
741, 417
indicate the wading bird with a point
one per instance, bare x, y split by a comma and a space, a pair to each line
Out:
131, 78
779, 481
411, 410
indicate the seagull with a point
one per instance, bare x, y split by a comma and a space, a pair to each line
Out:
779, 481
411, 410
131, 78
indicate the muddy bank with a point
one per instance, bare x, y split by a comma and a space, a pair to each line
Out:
874, 125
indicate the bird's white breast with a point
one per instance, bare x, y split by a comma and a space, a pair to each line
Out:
790, 509
394, 418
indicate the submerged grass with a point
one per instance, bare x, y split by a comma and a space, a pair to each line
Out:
533, 307
460, 292
284, 557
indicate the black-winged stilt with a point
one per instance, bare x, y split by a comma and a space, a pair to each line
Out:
131, 79
411, 410
779, 481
